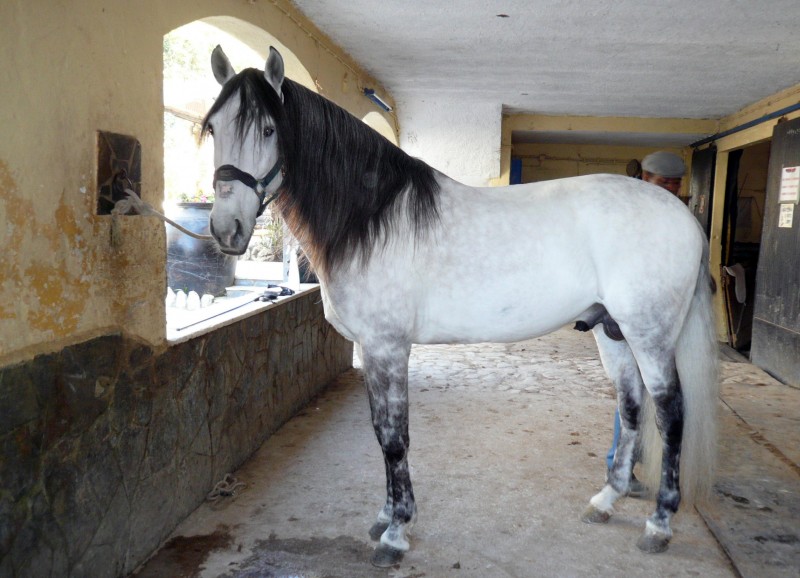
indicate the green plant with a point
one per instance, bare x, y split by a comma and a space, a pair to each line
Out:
198, 197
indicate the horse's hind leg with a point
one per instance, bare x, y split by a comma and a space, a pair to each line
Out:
621, 367
386, 375
661, 377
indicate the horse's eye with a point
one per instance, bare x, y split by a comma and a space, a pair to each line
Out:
210, 130
268, 130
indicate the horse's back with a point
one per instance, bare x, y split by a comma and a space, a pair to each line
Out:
509, 263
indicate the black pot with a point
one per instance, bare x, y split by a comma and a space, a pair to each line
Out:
192, 264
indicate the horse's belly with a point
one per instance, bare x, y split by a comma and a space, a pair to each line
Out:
496, 315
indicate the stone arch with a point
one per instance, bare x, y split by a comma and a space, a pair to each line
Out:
190, 88
377, 122
259, 41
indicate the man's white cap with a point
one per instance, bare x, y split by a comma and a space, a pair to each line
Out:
666, 164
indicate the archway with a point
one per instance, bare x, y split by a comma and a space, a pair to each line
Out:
376, 121
189, 91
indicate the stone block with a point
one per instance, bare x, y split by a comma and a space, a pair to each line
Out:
20, 460
162, 438
18, 399
152, 515
39, 548
109, 545
107, 445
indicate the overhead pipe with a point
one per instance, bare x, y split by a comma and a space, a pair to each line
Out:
741, 127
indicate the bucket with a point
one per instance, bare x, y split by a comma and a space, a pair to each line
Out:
192, 264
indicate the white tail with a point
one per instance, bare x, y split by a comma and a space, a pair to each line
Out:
696, 357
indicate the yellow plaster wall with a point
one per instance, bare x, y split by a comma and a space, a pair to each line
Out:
594, 155
68, 70
541, 162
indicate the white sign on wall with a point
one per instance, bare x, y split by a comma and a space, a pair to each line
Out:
790, 185
786, 216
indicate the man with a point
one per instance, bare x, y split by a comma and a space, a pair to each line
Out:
666, 170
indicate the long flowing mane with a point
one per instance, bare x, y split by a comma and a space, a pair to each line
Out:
345, 185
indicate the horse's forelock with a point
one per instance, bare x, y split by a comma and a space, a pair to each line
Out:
258, 102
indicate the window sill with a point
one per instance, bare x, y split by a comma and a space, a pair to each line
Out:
240, 303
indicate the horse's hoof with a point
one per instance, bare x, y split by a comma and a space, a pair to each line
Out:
653, 543
594, 516
386, 556
377, 530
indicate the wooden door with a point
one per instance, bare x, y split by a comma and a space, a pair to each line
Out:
776, 321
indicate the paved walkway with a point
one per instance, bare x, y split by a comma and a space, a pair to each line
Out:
508, 445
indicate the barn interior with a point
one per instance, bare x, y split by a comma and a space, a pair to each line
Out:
109, 393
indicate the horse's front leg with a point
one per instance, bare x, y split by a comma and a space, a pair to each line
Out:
386, 375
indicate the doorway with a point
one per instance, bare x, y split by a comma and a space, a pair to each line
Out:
742, 227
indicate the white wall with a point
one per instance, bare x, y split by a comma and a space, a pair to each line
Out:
460, 139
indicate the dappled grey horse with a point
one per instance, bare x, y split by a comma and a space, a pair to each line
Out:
395, 245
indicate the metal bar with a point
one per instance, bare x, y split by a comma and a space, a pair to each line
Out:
741, 127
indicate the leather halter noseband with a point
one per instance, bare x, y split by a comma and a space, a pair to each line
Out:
232, 173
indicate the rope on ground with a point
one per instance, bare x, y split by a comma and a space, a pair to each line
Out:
225, 488
135, 204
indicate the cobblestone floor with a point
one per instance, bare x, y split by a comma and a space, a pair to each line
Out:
508, 445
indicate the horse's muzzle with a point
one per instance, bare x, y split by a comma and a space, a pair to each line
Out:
234, 243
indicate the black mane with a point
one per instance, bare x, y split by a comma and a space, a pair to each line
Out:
345, 183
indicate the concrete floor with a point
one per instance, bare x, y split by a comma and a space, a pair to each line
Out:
508, 445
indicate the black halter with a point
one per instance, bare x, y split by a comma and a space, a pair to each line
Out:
231, 173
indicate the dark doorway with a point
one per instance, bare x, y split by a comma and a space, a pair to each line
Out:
741, 235
701, 186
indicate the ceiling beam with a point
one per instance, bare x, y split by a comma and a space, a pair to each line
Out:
536, 122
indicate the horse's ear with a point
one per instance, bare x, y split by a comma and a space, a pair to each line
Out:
221, 66
273, 71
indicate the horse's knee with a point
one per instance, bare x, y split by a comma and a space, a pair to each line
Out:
669, 409
394, 449
630, 411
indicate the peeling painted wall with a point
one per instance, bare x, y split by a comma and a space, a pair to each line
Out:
70, 69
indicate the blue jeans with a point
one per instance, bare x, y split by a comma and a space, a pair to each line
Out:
613, 450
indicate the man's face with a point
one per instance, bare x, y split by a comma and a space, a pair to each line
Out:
673, 185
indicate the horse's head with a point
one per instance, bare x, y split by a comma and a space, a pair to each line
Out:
247, 153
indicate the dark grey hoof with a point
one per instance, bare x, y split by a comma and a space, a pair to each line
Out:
594, 516
637, 489
653, 543
377, 530
386, 556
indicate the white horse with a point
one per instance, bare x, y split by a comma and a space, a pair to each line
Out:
395, 245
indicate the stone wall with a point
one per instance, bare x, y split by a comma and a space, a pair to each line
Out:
107, 445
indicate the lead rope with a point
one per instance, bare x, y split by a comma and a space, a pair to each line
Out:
225, 488
134, 204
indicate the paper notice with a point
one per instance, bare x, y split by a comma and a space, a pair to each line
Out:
790, 185
786, 216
